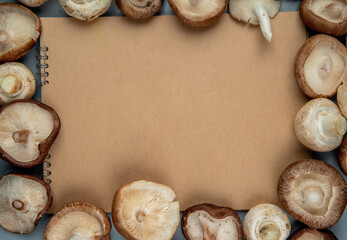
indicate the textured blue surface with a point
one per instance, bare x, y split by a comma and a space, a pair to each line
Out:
53, 9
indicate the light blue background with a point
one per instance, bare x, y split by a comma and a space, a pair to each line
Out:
53, 9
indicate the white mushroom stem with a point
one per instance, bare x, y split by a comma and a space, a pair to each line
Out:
331, 125
21, 136
334, 10
18, 204
139, 3
264, 21
10, 84
269, 230
3, 37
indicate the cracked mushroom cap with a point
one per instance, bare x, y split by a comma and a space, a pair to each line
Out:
343, 156
198, 13
256, 12
319, 125
33, 3
207, 221
313, 234
328, 16
144, 210
23, 201
27, 130
85, 10
16, 82
19, 30
139, 9
313, 192
78, 220
266, 222
320, 66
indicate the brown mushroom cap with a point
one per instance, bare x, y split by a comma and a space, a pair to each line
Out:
313, 234
343, 156
79, 220
320, 66
27, 130
198, 13
207, 221
139, 9
19, 30
328, 16
33, 3
313, 192
23, 200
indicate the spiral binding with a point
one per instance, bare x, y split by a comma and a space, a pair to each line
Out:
45, 173
42, 58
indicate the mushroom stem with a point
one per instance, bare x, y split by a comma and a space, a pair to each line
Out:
3, 37
333, 10
21, 136
18, 204
331, 125
269, 231
10, 84
139, 3
264, 21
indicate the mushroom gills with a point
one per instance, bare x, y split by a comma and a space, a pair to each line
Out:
332, 10
330, 125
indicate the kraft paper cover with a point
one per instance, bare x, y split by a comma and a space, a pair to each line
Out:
208, 112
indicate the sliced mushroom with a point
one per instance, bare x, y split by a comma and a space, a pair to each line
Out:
85, 10
198, 13
266, 222
33, 3
16, 82
342, 97
320, 66
343, 156
209, 222
23, 200
328, 16
27, 130
139, 9
319, 125
79, 220
19, 30
256, 12
313, 192
313, 234
145, 210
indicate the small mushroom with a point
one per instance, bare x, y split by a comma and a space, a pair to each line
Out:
16, 82
256, 12
342, 97
79, 220
320, 66
145, 210
85, 10
198, 13
313, 192
209, 222
266, 222
328, 16
19, 30
313, 234
23, 201
139, 9
319, 125
33, 3
343, 156
27, 130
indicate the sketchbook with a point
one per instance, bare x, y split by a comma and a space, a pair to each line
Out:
208, 112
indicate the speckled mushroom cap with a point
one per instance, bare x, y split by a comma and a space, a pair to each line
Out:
325, 16
343, 156
319, 125
85, 10
139, 9
207, 221
198, 13
19, 30
33, 3
23, 200
320, 66
313, 192
313, 234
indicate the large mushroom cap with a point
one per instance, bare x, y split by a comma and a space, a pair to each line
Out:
343, 156
16, 82
207, 221
313, 234
255, 12
33, 3
27, 130
325, 16
313, 192
198, 13
321, 66
145, 210
78, 220
139, 9
319, 125
19, 30
23, 200
85, 10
